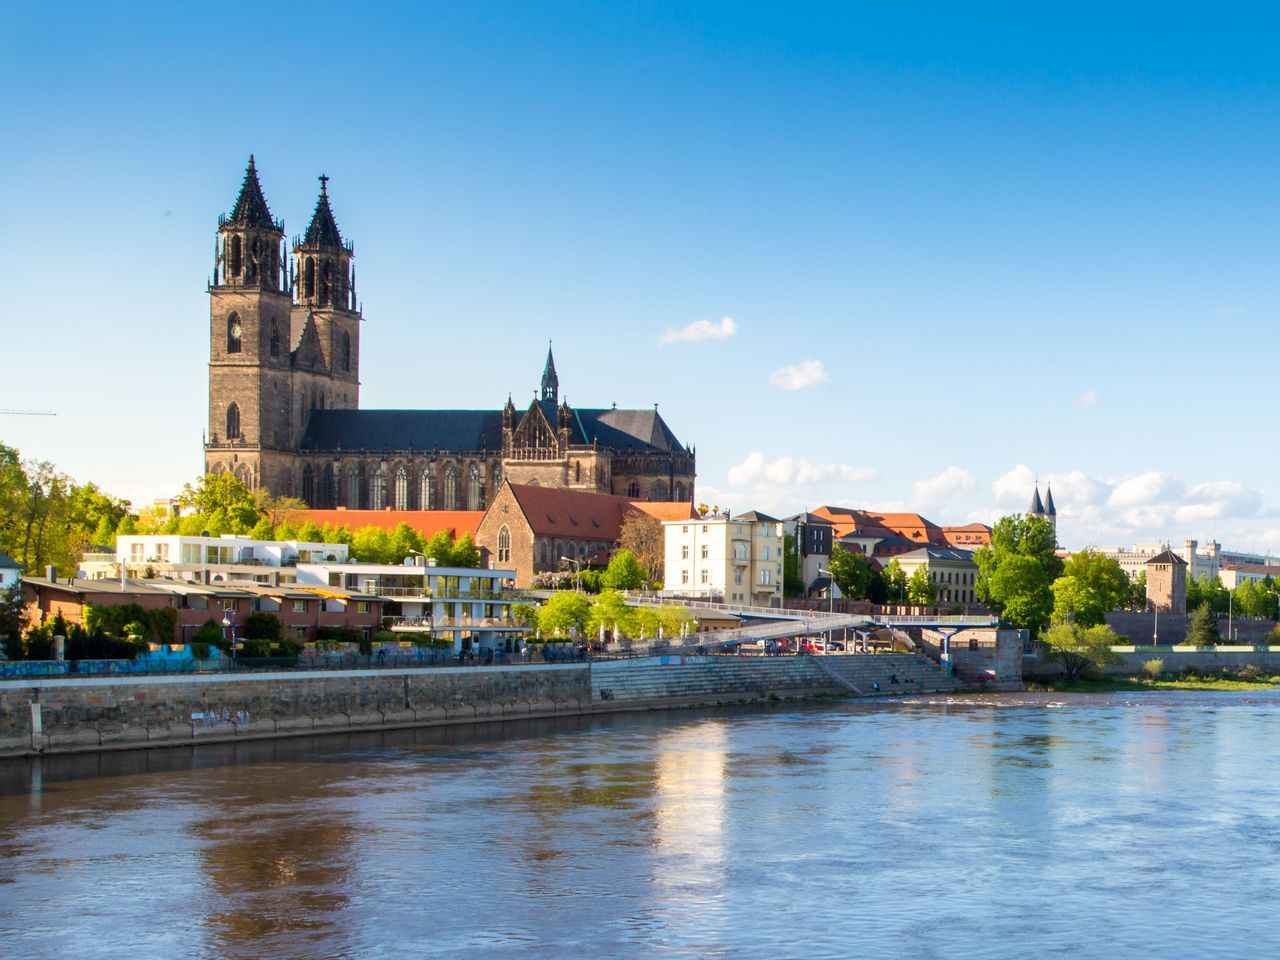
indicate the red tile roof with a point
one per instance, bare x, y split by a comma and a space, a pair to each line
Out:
572, 513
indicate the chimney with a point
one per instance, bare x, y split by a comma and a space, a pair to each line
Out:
51, 573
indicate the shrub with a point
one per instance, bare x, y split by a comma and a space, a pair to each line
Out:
262, 626
200, 651
255, 647
1191, 672
287, 648
1249, 671
211, 633
1153, 667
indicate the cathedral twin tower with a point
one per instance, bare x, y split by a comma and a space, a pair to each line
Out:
284, 392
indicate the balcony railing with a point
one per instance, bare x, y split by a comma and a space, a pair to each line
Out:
401, 591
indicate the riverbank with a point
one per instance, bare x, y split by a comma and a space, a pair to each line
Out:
1120, 684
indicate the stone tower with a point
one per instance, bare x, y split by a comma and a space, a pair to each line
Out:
249, 432
1167, 583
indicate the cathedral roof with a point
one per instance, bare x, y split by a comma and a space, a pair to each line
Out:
1037, 505
323, 229
445, 430
251, 208
1049, 508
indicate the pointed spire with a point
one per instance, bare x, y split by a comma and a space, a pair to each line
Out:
1037, 505
1049, 508
251, 208
550, 382
323, 229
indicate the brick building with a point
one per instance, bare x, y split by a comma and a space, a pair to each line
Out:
284, 395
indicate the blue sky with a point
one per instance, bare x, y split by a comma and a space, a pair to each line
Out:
959, 250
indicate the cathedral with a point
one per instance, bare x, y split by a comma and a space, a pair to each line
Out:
284, 395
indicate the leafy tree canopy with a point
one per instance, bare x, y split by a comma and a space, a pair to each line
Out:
1080, 647
1091, 585
624, 572
1016, 570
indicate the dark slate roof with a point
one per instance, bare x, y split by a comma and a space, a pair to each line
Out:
251, 208
323, 229
550, 382
1037, 505
8, 561
939, 553
755, 516
811, 518
620, 430
1168, 557
1048, 502
332, 430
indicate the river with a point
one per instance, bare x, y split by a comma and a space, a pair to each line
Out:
1020, 825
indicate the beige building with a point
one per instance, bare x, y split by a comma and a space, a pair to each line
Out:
738, 560
950, 569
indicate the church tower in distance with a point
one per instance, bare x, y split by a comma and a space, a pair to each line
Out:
249, 432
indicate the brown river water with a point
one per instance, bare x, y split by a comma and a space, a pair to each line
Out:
1142, 825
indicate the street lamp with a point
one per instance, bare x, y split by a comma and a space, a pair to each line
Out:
831, 589
229, 620
577, 571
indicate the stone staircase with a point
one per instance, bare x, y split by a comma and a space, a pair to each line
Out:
680, 680
916, 673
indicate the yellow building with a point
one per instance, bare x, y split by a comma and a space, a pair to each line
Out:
738, 560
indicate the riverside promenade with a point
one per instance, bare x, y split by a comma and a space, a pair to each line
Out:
58, 715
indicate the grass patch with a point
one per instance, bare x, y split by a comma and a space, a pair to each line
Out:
1120, 684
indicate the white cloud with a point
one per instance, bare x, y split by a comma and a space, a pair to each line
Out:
700, 330
1089, 398
783, 485
798, 376
1145, 488
786, 471
940, 489
1218, 499
1015, 486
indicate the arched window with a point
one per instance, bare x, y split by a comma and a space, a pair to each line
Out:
326, 282
353, 488
233, 422
681, 493
402, 489
542, 554
451, 487
251, 267
308, 486
234, 259
328, 483
346, 350
309, 278
504, 544
658, 491
234, 333
427, 490
633, 489
475, 489
275, 338
378, 489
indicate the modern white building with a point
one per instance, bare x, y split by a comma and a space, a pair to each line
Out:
950, 569
223, 559
469, 607
738, 560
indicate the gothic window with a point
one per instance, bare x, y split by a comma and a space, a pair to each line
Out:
251, 267
633, 490
504, 545
346, 350
475, 491
681, 493
233, 422
234, 333
577, 472
353, 488
309, 278
658, 491
275, 338
451, 487
329, 480
427, 491
378, 490
402, 489
308, 486
234, 257
326, 282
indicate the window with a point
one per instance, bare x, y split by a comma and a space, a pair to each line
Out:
704, 528
427, 490
451, 488
737, 577
233, 422
309, 278
362, 606
658, 491
475, 488
704, 551
234, 333
681, 494
353, 488
684, 552
704, 576
135, 553
275, 338
234, 257
504, 545
766, 553
633, 490
378, 490
402, 489
684, 576
766, 577
308, 486
299, 606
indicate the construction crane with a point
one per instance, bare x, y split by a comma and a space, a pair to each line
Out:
29, 413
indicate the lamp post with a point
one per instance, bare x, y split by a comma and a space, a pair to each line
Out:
229, 621
831, 600
577, 572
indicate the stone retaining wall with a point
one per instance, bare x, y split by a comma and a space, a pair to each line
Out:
1176, 659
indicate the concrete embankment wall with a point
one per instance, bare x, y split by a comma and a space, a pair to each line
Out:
1176, 660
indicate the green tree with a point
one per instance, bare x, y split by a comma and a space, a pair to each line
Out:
1138, 592
921, 590
895, 581
405, 541
1081, 648
564, 615
851, 572
225, 492
262, 625
643, 536
440, 548
465, 553
374, 545
262, 530
610, 611
793, 584
104, 534
1091, 586
1016, 571
623, 573
12, 621
1206, 589
1202, 628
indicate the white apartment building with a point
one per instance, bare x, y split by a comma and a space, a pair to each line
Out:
468, 606
224, 559
738, 560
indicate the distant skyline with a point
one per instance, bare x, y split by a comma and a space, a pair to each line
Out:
880, 258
